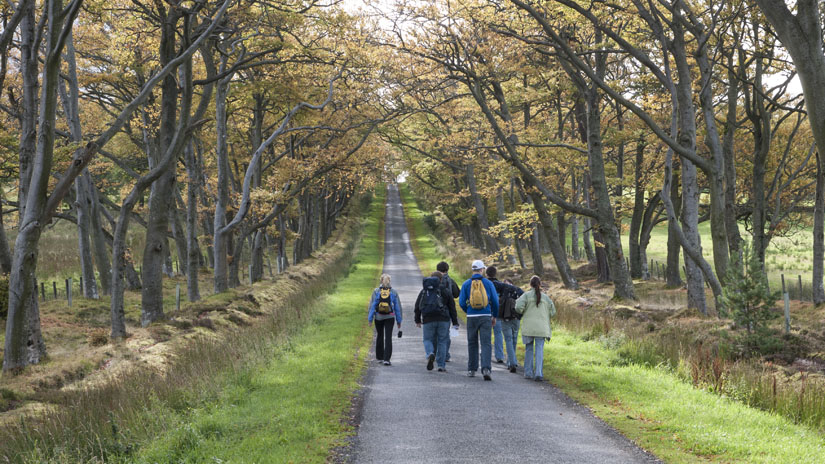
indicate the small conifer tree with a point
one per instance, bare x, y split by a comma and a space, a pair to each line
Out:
746, 295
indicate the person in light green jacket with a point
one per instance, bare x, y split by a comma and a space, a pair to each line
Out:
536, 310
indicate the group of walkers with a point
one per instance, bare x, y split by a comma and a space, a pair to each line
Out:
493, 307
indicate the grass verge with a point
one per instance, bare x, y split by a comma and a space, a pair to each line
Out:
291, 408
218, 367
667, 416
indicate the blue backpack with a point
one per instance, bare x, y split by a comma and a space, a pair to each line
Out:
431, 302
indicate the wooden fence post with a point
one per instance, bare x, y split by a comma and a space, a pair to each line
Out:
69, 291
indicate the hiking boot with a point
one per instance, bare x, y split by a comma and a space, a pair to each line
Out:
539, 378
387, 363
471, 373
500, 361
441, 369
513, 369
430, 361
486, 374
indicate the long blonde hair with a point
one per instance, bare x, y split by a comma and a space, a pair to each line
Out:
385, 280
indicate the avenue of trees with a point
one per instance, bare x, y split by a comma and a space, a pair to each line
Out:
543, 120
210, 126
217, 126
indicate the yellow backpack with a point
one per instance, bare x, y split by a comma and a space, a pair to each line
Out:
478, 294
384, 306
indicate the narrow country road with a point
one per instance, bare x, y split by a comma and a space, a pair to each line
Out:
413, 415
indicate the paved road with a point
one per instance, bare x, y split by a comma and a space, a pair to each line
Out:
411, 415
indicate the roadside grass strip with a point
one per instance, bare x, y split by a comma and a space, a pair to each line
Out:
669, 417
293, 409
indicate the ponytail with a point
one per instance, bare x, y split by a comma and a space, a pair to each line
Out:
535, 282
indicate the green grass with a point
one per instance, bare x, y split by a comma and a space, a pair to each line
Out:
291, 409
669, 417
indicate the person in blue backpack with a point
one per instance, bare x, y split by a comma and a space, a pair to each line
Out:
385, 307
478, 298
435, 308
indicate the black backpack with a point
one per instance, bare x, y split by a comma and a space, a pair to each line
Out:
507, 305
431, 301
448, 284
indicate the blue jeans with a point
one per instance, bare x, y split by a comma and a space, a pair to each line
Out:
529, 367
479, 327
498, 345
510, 329
436, 334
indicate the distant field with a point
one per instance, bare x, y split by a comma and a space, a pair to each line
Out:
785, 255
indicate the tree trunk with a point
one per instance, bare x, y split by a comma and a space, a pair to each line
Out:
636, 259
101, 253
535, 251
801, 34
220, 238
489, 245
5, 251
819, 234
24, 342
193, 255
673, 273
161, 196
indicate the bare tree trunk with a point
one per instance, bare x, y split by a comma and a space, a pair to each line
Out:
574, 221
503, 236
193, 255
588, 228
674, 275
819, 234
489, 243
219, 242
101, 253
731, 224
24, 342
636, 259
5, 251
535, 251
157, 245
801, 34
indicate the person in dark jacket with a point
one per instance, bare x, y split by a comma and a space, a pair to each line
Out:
384, 309
435, 309
508, 319
452, 287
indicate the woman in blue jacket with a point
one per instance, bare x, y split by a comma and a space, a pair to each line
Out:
385, 307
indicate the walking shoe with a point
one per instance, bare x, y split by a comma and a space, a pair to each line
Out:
387, 363
500, 361
430, 361
471, 373
528, 377
539, 378
513, 369
441, 369
486, 374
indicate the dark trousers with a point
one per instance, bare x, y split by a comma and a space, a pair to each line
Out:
383, 339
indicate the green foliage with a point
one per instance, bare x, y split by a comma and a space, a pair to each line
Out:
746, 296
